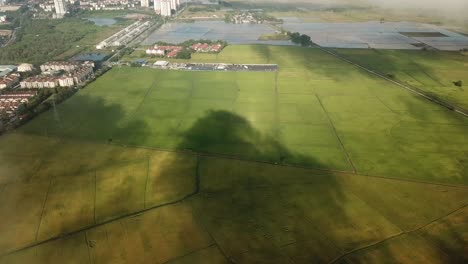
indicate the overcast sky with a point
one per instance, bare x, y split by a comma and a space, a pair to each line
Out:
449, 8
444, 4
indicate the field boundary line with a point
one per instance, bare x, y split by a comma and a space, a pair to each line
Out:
113, 219
200, 221
182, 199
336, 134
44, 206
397, 235
87, 247
236, 158
146, 181
89, 227
414, 90
95, 194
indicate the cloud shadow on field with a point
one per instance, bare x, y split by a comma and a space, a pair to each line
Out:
254, 212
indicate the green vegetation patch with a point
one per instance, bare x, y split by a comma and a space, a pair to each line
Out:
41, 40
316, 111
434, 72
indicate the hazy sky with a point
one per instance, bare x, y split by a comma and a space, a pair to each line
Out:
444, 4
454, 9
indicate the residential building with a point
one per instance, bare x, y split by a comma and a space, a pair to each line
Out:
9, 81
157, 6
171, 51
145, 3
60, 66
10, 101
60, 8
66, 81
25, 67
76, 73
82, 74
39, 82
7, 69
125, 36
166, 9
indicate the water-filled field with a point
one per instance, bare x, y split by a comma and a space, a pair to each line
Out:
213, 30
102, 21
376, 35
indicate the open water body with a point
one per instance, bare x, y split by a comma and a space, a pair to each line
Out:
102, 21
213, 30
374, 34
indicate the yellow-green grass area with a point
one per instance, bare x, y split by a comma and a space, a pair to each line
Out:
79, 202
433, 72
91, 181
317, 112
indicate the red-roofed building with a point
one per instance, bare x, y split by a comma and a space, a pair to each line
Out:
9, 81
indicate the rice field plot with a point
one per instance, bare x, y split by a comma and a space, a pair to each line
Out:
251, 212
93, 169
275, 215
316, 108
80, 184
431, 71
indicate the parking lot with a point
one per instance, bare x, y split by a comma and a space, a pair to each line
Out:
219, 67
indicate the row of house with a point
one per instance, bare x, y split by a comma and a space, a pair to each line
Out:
9, 102
9, 80
70, 79
205, 47
125, 36
165, 51
67, 66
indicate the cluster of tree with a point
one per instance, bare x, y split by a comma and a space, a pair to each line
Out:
31, 106
184, 54
42, 40
258, 16
121, 53
43, 101
190, 42
262, 16
302, 39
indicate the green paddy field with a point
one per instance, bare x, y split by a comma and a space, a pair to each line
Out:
317, 163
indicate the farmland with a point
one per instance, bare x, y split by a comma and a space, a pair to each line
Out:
320, 161
433, 71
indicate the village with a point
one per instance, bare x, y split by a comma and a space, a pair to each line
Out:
174, 51
19, 84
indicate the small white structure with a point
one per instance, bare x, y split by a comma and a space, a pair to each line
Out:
145, 3
25, 67
161, 64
